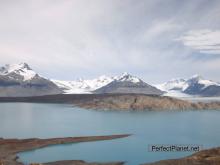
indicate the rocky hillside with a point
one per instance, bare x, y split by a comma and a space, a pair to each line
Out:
142, 102
134, 102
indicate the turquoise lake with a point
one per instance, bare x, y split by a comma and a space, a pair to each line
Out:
28, 120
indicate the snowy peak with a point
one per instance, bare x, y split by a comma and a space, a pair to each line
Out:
196, 76
183, 84
83, 86
127, 83
195, 85
173, 84
99, 82
129, 78
197, 79
19, 80
21, 69
8, 68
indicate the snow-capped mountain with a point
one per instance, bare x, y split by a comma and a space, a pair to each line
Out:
131, 84
196, 85
88, 86
127, 77
127, 83
19, 71
174, 84
83, 86
21, 80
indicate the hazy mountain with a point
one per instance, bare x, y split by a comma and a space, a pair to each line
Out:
21, 80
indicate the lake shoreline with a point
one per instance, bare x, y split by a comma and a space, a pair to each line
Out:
9, 148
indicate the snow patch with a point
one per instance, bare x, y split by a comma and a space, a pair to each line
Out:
83, 86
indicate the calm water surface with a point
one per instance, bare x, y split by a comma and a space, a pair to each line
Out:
27, 120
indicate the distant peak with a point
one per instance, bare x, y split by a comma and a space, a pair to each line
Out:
24, 65
14, 67
21, 69
128, 77
125, 74
196, 77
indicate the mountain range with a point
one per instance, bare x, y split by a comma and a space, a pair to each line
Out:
21, 80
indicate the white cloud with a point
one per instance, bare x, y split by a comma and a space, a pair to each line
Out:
205, 41
74, 38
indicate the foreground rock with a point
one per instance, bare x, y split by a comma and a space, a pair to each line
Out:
205, 157
10, 147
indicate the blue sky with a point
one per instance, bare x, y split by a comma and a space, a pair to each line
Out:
154, 39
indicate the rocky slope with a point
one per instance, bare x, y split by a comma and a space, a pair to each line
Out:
204, 157
21, 80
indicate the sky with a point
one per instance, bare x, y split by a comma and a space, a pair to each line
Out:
153, 39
